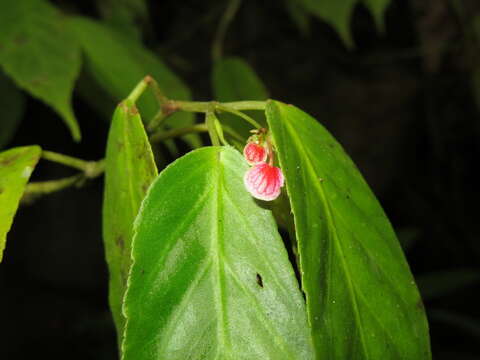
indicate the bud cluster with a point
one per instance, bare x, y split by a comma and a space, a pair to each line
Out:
263, 181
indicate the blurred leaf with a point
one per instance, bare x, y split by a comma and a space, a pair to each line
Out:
16, 166
362, 302
118, 64
299, 15
211, 278
124, 15
377, 8
12, 103
234, 80
39, 54
337, 13
440, 283
130, 169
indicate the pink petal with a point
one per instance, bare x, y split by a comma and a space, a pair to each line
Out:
254, 153
264, 181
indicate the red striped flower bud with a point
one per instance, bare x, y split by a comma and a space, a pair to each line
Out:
254, 153
264, 181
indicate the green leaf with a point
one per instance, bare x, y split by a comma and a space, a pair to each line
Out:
124, 15
38, 52
130, 169
12, 103
211, 278
362, 302
337, 13
234, 80
16, 166
377, 8
437, 284
119, 64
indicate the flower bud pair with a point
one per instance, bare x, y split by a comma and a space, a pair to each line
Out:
263, 181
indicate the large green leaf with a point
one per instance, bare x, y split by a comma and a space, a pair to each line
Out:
234, 80
362, 302
211, 278
118, 64
39, 53
12, 103
130, 169
337, 13
16, 166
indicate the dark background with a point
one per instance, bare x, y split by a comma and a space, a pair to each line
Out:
402, 103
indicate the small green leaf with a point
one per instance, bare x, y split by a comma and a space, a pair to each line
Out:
12, 103
362, 302
377, 8
130, 169
440, 283
119, 64
211, 278
234, 80
38, 52
337, 13
16, 166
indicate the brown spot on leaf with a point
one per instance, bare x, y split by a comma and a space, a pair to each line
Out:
259, 280
133, 110
9, 160
1, 190
120, 242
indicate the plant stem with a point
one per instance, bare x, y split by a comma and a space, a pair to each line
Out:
210, 120
66, 160
147, 81
163, 135
225, 21
36, 189
240, 114
139, 89
204, 106
90, 170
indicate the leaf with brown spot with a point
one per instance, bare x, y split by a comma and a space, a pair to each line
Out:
130, 168
16, 166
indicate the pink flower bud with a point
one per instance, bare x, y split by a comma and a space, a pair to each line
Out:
254, 153
264, 181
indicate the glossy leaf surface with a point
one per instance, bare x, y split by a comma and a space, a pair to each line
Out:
130, 169
12, 103
211, 278
38, 52
118, 64
362, 302
235, 80
16, 166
